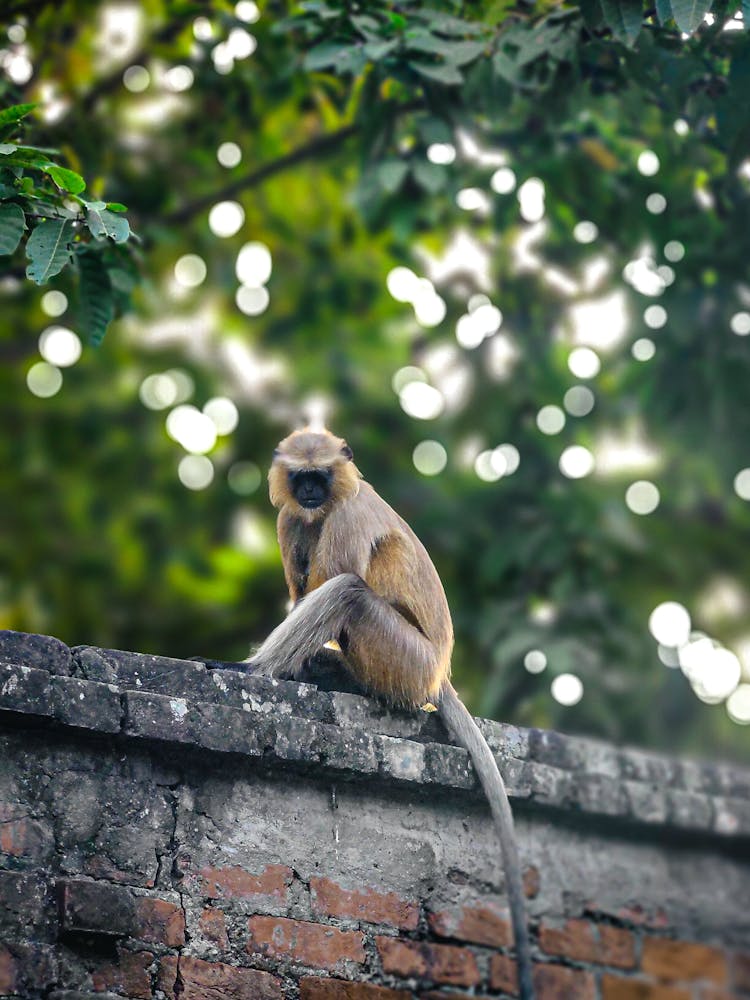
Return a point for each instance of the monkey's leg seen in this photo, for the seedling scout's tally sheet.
(382, 650)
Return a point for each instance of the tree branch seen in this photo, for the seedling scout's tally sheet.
(323, 144)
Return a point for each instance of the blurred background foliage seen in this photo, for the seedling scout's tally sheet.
(501, 247)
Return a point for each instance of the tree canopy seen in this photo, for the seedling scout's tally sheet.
(501, 247)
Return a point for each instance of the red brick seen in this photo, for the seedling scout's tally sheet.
(440, 963)
(25, 967)
(635, 915)
(585, 942)
(318, 988)
(683, 961)
(129, 976)
(316, 945)
(617, 988)
(200, 980)
(555, 982)
(213, 927)
(233, 882)
(160, 921)
(486, 924)
(24, 837)
(741, 971)
(551, 982)
(331, 900)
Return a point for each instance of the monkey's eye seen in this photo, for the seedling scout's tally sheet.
(347, 452)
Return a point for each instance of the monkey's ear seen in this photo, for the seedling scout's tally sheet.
(347, 452)
(276, 453)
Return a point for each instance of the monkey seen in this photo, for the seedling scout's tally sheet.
(363, 585)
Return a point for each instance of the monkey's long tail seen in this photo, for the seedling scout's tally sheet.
(464, 730)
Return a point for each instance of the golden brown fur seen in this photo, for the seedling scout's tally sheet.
(360, 576)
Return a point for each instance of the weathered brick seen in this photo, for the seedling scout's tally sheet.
(332, 900)
(213, 927)
(618, 988)
(23, 906)
(438, 963)
(318, 988)
(42, 651)
(740, 963)
(159, 921)
(316, 945)
(24, 837)
(86, 704)
(199, 980)
(555, 982)
(95, 908)
(234, 882)
(129, 975)
(486, 924)
(683, 961)
(583, 941)
(551, 982)
(25, 967)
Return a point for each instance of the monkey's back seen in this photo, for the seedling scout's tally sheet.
(364, 535)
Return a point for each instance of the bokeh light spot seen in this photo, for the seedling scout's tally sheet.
(195, 472)
(535, 661)
(44, 380)
(584, 363)
(579, 400)
(136, 79)
(567, 689)
(576, 462)
(190, 270)
(430, 458)
(226, 218)
(54, 303)
(421, 400)
(642, 497)
(648, 163)
(742, 484)
(550, 419)
(252, 301)
(229, 154)
(222, 413)
(254, 264)
(503, 181)
(60, 346)
(585, 231)
(669, 624)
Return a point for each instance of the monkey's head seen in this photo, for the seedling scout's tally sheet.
(311, 471)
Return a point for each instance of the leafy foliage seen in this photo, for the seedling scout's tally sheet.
(64, 229)
(361, 132)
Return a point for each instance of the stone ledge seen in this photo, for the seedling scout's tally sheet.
(181, 702)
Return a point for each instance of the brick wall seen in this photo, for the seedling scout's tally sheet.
(171, 832)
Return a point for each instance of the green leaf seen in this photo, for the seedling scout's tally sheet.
(48, 249)
(116, 206)
(433, 129)
(445, 73)
(6, 148)
(391, 174)
(66, 179)
(97, 306)
(448, 25)
(624, 18)
(377, 50)
(689, 14)
(462, 53)
(746, 13)
(103, 223)
(325, 55)
(664, 11)
(12, 225)
(429, 176)
(15, 113)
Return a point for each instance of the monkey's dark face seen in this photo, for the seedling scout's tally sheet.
(311, 488)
